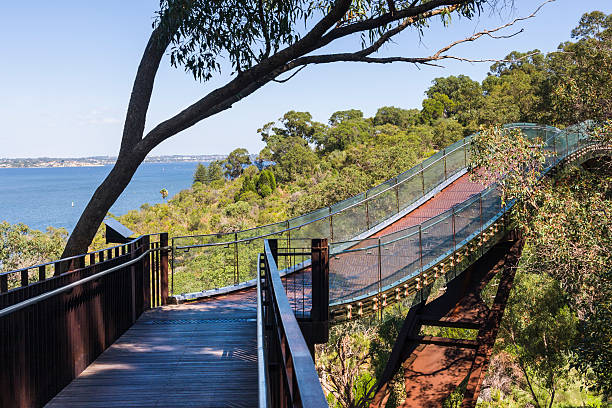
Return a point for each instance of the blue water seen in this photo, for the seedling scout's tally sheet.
(42, 197)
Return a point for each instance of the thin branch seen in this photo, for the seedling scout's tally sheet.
(281, 81)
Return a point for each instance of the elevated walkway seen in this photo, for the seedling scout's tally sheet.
(90, 332)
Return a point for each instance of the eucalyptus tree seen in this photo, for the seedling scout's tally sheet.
(262, 40)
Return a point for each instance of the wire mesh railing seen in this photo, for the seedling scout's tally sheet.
(204, 262)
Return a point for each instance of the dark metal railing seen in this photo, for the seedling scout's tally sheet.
(287, 374)
(51, 329)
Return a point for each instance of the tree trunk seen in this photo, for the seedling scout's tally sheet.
(99, 204)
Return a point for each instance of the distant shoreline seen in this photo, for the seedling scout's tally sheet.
(52, 163)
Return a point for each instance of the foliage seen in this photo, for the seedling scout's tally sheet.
(508, 157)
(343, 365)
(164, 193)
(583, 71)
(21, 246)
(541, 327)
(235, 162)
(209, 174)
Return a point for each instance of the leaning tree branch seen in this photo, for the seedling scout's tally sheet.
(365, 54)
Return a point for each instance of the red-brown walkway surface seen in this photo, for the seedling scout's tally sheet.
(204, 353)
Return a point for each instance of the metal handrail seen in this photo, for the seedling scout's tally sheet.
(304, 371)
(262, 373)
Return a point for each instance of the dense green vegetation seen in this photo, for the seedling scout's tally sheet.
(554, 348)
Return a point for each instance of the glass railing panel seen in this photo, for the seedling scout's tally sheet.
(433, 175)
(437, 237)
(455, 161)
(410, 190)
(353, 273)
(347, 203)
(432, 159)
(467, 220)
(349, 223)
(382, 206)
(399, 258)
(381, 187)
(315, 229)
(310, 217)
(491, 203)
(204, 268)
(572, 141)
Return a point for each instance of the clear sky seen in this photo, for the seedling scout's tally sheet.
(67, 68)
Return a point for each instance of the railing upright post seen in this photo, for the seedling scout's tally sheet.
(331, 226)
(320, 280)
(132, 271)
(367, 213)
(236, 264)
(481, 231)
(24, 278)
(146, 272)
(396, 188)
(274, 249)
(444, 157)
(42, 275)
(422, 179)
(172, 269)
(380, 276)
(566, 143)
(163, 244)
(379, 266)
(454, 245)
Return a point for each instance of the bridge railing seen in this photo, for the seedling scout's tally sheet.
(287, 374)
(51, 329)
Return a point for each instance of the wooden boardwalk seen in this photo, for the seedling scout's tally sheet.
(193, 355)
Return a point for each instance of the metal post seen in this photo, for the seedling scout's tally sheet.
(367, 213)
(422, 179)
(331, 226)
(566, 143)
(421, 246)
(444, 157)
(163, 243)
(320, 280)
(397, 196)
(481, 235)
(236, 270)
(146, 272)
(133, 255)
(464, 154)
(379, 267)
(172, 268)
(274, 249)
(41, 273)
(454, 245)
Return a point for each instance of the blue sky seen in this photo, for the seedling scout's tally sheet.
(67, 70)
